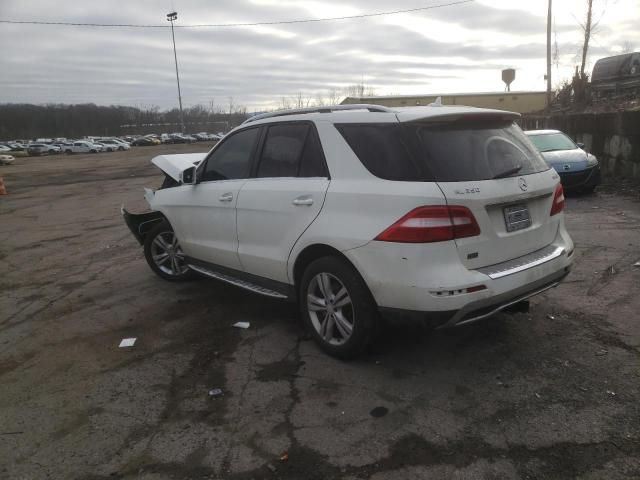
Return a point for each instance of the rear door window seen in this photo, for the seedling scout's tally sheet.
(291, 150)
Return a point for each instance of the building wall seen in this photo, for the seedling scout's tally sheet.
(521, 102)
(612, 137)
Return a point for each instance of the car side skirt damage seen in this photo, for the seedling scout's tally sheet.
(141, 223)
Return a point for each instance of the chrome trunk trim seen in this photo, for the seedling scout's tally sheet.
(522, 263)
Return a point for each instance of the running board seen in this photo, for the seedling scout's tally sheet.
(237, 282)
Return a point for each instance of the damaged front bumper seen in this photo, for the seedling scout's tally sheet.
(141, 223)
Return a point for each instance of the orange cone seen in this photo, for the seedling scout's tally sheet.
(3, 190)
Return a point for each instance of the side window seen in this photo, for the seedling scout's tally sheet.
(312, 163)
(282, 150)
(382, 149)
(233, 158)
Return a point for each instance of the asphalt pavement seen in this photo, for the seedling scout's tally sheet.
(549, 394)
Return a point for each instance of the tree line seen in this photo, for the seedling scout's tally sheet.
(28, 121)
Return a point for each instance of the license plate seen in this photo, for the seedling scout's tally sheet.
(516, 217)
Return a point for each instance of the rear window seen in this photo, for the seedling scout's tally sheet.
(446, 152)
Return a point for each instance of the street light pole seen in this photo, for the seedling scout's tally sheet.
(171, 17)
(549, 97)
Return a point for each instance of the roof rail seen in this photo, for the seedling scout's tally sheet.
(329, 109)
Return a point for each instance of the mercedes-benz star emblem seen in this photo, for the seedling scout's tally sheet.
(522, 183)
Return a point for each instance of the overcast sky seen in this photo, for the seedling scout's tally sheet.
(460, 48)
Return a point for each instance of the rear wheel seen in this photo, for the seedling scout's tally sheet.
(164, 254)
(337, 307)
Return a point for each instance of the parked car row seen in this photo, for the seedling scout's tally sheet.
(154, 139)
(65, 146)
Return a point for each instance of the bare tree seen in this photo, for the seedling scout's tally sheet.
(284, 103)
(231, 105)
(627, 47)
(333, 97)
(359, 90)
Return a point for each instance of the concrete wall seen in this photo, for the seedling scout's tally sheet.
(612, 137)
(521, 102)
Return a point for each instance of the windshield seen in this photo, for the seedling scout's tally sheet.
(550, 142)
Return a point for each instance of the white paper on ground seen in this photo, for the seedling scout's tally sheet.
(127, 342)
(242, 325)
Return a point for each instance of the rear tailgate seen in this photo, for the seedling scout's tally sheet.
(482, 160)
(513, 221)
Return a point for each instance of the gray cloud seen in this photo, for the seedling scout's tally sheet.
(255, 66)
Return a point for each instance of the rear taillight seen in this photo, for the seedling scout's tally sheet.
(558, 200)
(432, 224)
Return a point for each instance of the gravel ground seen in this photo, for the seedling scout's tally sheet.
(550, 394)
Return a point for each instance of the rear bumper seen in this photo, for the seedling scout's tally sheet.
(480, 309)
(420, 283)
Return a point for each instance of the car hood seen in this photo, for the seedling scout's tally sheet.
(173, 165)
(565, 156)
(566, 160)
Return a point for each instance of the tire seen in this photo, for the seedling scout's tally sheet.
(68, 152)
(160, 241)
(588, 190)
(120, 149)
(93, 151)
(354, 308)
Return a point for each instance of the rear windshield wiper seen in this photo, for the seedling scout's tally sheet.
(508, 173)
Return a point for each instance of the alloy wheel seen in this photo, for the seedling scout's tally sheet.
(330, 308)
(167, 254)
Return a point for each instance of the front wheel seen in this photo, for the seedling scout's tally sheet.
(164, 254)
(337, 307)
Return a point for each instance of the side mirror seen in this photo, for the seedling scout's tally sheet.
(188, 176)
(580, 145)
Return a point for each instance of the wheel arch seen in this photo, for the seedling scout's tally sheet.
(311, 253)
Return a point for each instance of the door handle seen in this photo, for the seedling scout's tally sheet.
(303, 200)
(226, 197)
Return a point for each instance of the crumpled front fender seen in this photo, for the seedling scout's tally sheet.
(141, 223)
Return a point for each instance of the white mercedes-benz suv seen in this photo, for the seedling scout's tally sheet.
(441, 214)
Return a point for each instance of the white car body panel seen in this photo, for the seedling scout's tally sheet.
(270, 222)
(205, 225)
(486, 199)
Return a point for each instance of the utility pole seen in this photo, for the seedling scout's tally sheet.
(170, 18)
(549, 57)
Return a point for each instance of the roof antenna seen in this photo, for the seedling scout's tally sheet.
(437, 103)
